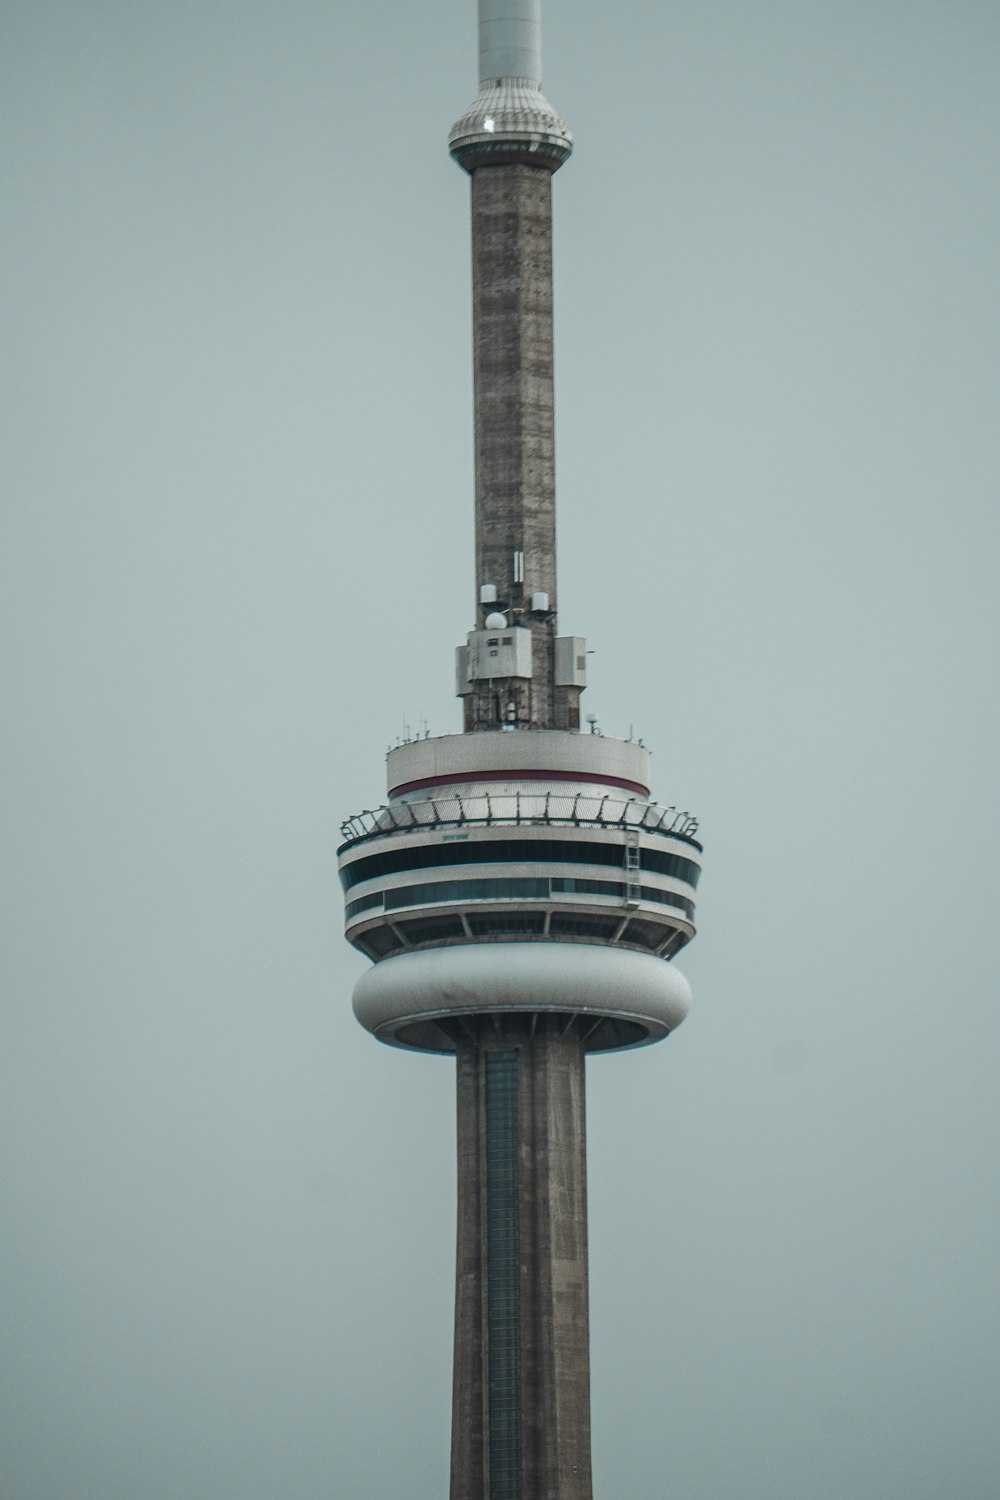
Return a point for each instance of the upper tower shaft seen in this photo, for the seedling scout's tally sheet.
(515, 435)
(511, 141)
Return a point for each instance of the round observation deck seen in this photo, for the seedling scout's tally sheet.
(510, 120)
(526, 840)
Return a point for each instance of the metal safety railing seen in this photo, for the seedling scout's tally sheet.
(545, 809)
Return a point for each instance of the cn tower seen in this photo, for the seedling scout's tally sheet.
(521, 896)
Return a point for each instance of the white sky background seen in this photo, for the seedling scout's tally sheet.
(236, 442)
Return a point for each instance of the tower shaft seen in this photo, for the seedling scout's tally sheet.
(521, 1411)
(519, 894)
(515, 446)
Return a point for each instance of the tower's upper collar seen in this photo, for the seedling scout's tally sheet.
(510, 119)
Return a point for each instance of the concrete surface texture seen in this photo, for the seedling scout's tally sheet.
(515, 441)
(522, 1370)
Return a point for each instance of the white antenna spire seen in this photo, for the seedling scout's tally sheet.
(510, 40)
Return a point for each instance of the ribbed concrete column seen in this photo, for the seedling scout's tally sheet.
(515, 445)
(522, 1362)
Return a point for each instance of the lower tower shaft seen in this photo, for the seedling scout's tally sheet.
(521, 1412)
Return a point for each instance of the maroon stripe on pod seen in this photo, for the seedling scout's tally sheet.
(455, 778)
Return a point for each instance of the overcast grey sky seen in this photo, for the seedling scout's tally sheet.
(236, 443)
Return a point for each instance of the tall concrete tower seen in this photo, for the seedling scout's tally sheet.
(520, 894)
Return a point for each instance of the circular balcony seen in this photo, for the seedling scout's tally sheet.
(520, 866)
(485, 808)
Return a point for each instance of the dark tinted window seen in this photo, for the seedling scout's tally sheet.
(647, 934)
(467, 890)
(362, 904)
(670, 864)
(433, 930)
(502, 922)
(379, 942)
(589, 887)
(667, 898)
(599, 927)
(513, 889)
(508, 851)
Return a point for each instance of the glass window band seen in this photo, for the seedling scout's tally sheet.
(514, 851)
(513, 888)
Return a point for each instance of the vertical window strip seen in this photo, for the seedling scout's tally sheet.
(503, 1275)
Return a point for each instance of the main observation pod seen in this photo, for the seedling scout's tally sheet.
(510, 119)
(523, 872)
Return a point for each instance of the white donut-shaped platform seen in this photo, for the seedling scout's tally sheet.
(633, 998)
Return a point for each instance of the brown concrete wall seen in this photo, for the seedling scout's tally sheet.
(468, 1423)
(515, 451)
(555, 1354)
